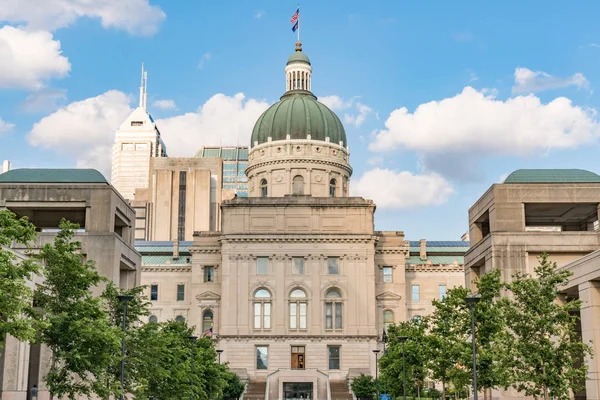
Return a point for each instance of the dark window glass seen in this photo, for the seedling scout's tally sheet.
(209, 274)
(262, 360)
(334, 357)
(181, 217)
(180, 292)
(153, 292)
(263, 188)
(333, 265)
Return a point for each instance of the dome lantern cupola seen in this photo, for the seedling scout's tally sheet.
(298, 71)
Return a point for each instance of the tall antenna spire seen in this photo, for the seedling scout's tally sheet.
(143, 88)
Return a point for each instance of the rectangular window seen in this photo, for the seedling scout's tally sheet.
(209, 274)
(387, 275)
(333, 315)
(180, 292)
(153, 292)
(267, 315)
(302, 315)
(338, 315)
(257, 315)
(262, 266)
(442, 292)
(334, 357)
(127, 146)
(262, 357)
(333, 265)
(293, 315)
(298, 266)
(182, 195)
(141, 146)
(137, 123)
(416, 293)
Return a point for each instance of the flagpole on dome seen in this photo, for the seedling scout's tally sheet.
(298, 22)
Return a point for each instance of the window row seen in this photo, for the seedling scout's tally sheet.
(416, 292)
(180, 293)
(298, 186)
(262, 266)
(132, 146)
(298, 357)
(298, 309)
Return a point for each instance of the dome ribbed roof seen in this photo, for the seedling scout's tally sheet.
(298, 114)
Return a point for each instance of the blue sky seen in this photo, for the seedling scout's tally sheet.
(439, 99)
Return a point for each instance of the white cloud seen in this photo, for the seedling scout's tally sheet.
(222, 120)
(165, 104)
(5, 126)
(528, 81)
(473, 77)
(475, 124)
(375, 161)
(358, 118)
(43, 100)
(394, 190)
(337, 103)
(206, 57)
(259, 14)
(134, 16)
(29, 58)
(360, 110)
(84, 130)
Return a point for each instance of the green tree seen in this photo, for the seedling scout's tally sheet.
(416, 357)
(450, 348)
(137, 309)
(546, 353)
(78, 331)
(233, 386)
(492, 337)
(363, 386)
(15, 294)
(164, 353)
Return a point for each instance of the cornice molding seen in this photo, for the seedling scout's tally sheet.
(167, 269)
(288, 337)
(255, 164)
(435, 268)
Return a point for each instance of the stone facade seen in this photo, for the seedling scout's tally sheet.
(106, 236)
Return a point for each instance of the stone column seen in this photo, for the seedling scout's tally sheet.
(589, 294)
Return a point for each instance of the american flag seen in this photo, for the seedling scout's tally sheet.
(294, 20)
(208, 332)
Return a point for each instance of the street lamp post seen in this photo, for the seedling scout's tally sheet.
(124, 299)
(471, 301)
(376, 378)
(219, 353)
(193, 341)
(403, 340)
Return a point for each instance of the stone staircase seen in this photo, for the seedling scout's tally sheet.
(339, 391)
(256, 390)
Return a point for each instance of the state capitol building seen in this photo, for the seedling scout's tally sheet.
(264, 249)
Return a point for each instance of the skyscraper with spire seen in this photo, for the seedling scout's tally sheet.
(136, 141)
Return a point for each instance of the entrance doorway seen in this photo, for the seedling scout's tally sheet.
(295, 391)
(297, 357)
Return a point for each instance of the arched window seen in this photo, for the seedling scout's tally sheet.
(262, 309)
(153, 319)
(298, 306)
(179, 318)
(207, 323)
(264, 191)
(333, 309)
(332, 185)
(298, 185)
(388, 319)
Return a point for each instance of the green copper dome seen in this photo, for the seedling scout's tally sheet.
(298, 114)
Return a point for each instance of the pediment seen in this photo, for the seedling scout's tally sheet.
(388, 296)
(208, 295)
